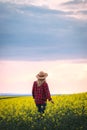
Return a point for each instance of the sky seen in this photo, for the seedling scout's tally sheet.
(43, 35)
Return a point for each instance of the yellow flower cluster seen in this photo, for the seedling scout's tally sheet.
(68, 111)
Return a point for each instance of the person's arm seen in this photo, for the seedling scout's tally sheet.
(47, 93)
(33, 90)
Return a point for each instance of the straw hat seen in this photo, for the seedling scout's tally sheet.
(41, 75)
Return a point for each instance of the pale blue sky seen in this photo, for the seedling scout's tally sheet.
(43, 31)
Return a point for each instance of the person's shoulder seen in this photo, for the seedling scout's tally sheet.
(45, 83)
(34, 83)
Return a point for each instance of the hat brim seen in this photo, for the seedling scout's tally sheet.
(41, 77)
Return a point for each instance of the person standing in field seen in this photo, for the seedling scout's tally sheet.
(40, 92)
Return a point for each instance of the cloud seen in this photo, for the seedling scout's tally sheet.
(35, 2)
(79, 12)
(68, 8)
(75, 2)
(35, 31)
(43, 52)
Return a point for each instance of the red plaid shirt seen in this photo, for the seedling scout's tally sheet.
(41, 93)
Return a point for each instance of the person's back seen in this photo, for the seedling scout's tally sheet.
(40, 91)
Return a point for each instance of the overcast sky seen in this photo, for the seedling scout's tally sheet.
(43, 31)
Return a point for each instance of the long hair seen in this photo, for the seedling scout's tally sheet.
(40, 82)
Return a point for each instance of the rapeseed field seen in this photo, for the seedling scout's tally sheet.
(69, 112)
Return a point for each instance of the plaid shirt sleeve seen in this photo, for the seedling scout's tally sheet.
(47, 92)
(33, 89)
